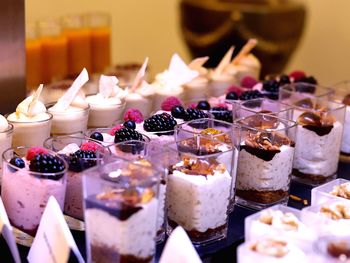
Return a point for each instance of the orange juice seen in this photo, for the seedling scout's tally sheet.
(79, 46)
(100, 49)
(54, 58)
(33, 63)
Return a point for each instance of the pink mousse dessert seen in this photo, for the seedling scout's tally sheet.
(30, 177)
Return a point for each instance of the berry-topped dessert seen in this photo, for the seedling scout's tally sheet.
(80, 154)
(121, 212)
(30, 177)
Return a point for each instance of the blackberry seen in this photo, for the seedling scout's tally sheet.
(85, 154)
(178, 112)
(194, 114)
(159, 122)
(271, 86)
(222, 114)
(250, 94)
(127, 134)
(81, 160)
(97, 136)
(284, 79)
(203, 105)
(18, 162)
(46, 163)
(232, 96)
(271, 95)
(309, 80)
(130, 124)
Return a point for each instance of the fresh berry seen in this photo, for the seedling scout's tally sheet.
(271, 95)
(297, 74)
(127, 134)
(133, 115)
(85, 154)
(169, 103)
(194, 114)
(222, 114)
(284, 79)
(81, 160)
(232, 96)
(203, 105)
(221, 105)
(46, 163)
(309, 80)
(90, 146)
(18, 162)
(192, 106)
(160, 122)
(34, 151)
(250, 94)
(178, 112)
(115, 129)
(130, 124)
(271, 85)
(248, 82)
(236, 89)
(97, 136)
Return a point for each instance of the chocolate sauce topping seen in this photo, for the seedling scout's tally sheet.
(319, 130)
(266, 155)
(317, 122)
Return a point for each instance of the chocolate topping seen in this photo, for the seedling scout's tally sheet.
(346, 100)
(339, 249)
(318, 122)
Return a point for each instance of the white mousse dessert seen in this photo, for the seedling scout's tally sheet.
(107, 106)
(31, 122)
(6, 132)
(71, 112)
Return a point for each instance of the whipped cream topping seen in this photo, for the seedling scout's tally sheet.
(70, 148)
(336, 211)
(278, 219)
(3, 123)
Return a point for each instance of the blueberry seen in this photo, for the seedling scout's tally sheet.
(232, 96)
(203, 105)
(18, 162)
(130, 124)
(284, 79)
(97, 136)
(178, 112)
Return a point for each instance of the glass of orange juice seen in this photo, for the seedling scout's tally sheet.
(100, 28)
(33, 56)
(79, 44)
(54, 51)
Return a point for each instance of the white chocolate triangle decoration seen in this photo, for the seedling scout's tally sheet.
(139, 76)
(179, 73)
(225, 61)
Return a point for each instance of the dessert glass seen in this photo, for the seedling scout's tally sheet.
(121, 207)
(265, 160)
(62, 145)
(202, 131)
(338, 189)
(152, 155)
(70, 122)
(320, 129)
(199, 186)
(5, 141)
(30, 132)
(25, 193)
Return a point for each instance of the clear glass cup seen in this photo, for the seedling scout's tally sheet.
(30, 132)
(342, 95)
(320, 129)
(201, 180)
(121, 208)
(265, 160)
(66, 146)
(337, 189)
(199, 133)
(153, 155)
(70, 122)
(25, 193)
(5, 141)
(262, 105)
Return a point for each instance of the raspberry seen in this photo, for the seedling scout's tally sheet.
(115, 129)
(235, 89)
(127, 134)
(133, 115)
(34, 151)
(46, 163)
(89, 146)
(192, 106)
(169, 103)
(248, 82)
(297, 74)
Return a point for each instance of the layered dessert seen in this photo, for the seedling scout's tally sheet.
(121, 222)
(6, 131)
(107, 106)
(271, 249)
(38, 174)
(140, 94)
(318, 146)
(264, 167)
(203, 186)
(345, 145)
(71, 112)
(31, 122)
(342, 190)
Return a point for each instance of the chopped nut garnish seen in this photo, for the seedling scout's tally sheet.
(336, 211)
(132, 196)
(318, 119)
(339, 249)
(278, 219)
(271, 247)
(194, 166)
(342, 190)
(271, 141)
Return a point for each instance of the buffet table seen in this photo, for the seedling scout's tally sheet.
(223, 251)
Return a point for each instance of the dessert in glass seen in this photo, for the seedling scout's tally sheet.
(31, 122)
(265, 160)
(39, 174)
(71, 112)
(152, 155)
(6, 132)
(120, 208)
(80, 153)
(320, 128)
(270, 249)
(338, 189)
(107, 106)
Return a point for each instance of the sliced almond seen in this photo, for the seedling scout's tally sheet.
(225, 61)
(246, 49)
